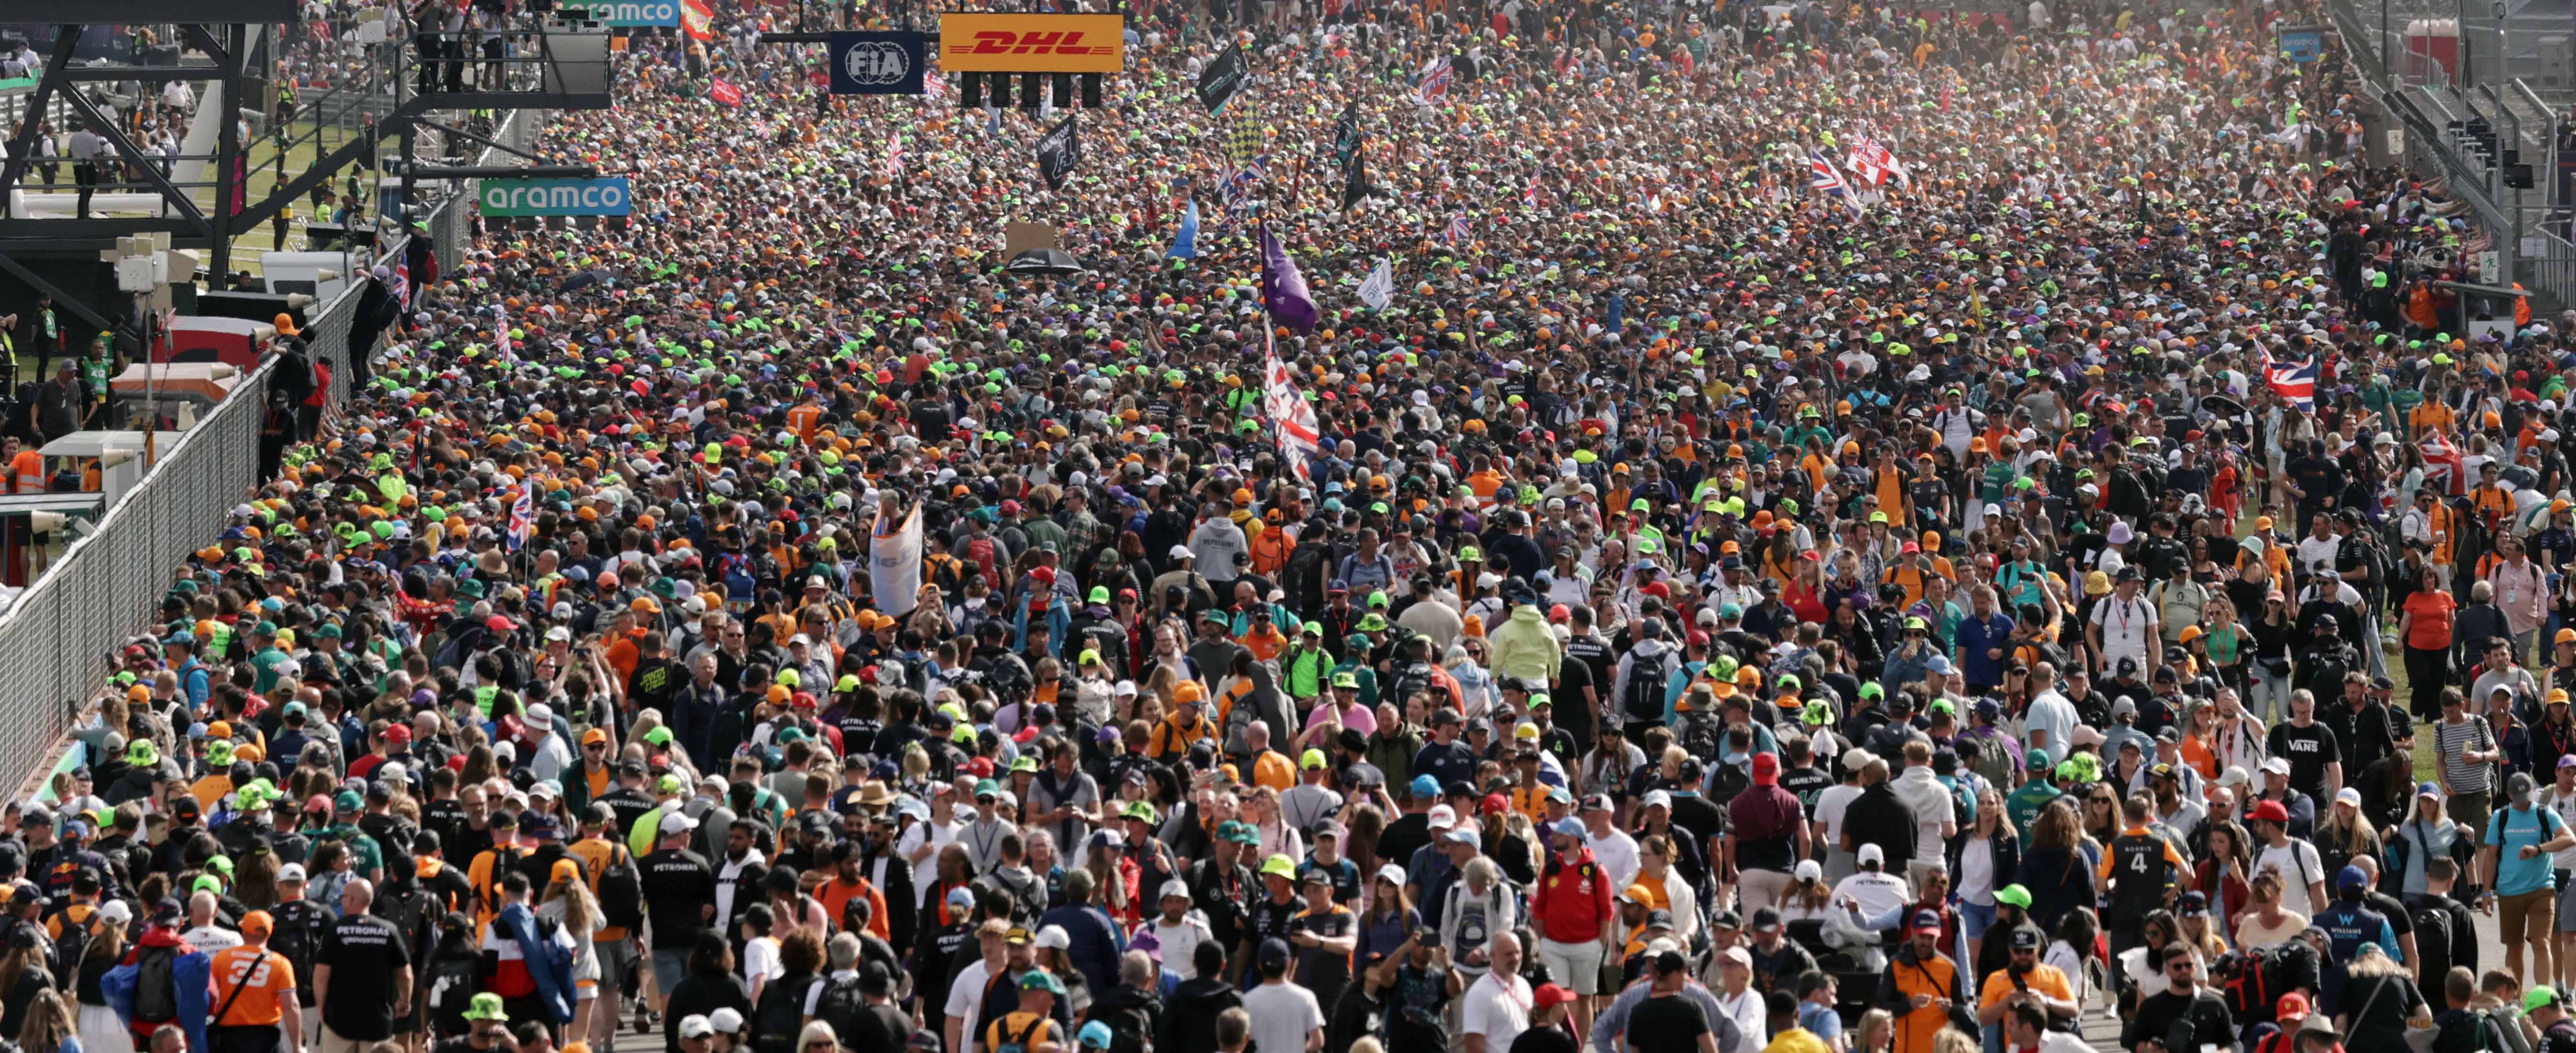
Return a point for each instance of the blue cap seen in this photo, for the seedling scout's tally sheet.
(1927, 920)
(2426, 789)
(1426, 786)
(2351, 877)
(961, 898)
(1567, 827)
(1095, 1035)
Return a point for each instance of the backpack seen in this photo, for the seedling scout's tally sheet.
(621, 891)
(156, 992)
(1028, 895)
(980, 551)
(2466, 1031)
(2432, 941)
(1644, 699)
(841, 1006)
(75, 939)
(2253, 991)
(1990, 759)
(299, 933)
(1703, 735)
(781, 1015)
(1131, 1028)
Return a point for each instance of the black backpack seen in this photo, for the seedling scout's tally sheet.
(74, 941)
(1703, 735)
(1644, 700)
(299, 933)
(2432, 942)
(621, 891)
(841, 1005)
(1028, 894)
(781, 1015)
(156, 992)
(1131, 1027)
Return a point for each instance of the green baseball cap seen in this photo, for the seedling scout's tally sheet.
(2015, 895)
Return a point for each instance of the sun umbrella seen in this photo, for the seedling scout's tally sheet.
(1044, 261)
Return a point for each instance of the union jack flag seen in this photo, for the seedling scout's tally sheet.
(2295, 382)
(523, 520)
(1435, 80)
(1457, 228)
(894, 158)
(400, 286)
(1830, 180)
(1529, 195)
(1238, 184)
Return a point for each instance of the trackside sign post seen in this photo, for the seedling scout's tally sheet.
(630, 13)
(603, 196)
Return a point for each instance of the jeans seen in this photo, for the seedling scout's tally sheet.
(2269, 696)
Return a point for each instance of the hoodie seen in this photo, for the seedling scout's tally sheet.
(1651, 658)
(1525, 647)
(1189, 1016)
(191, 979)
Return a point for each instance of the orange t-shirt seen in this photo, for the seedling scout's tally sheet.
(263, 975)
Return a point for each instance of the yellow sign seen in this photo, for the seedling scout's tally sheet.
(1031, 43)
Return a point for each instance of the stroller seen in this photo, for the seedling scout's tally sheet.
(1853, 956)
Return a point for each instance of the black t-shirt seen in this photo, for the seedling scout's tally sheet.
(2560, 1038)
(677, 886)
(2309, 750)
(1670, 1024)
(1403, 836)
(1545, 1040)
(363, 954)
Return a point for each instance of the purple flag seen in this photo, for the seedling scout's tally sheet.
(1283, 290)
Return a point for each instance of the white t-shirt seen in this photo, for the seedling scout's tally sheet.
(1876, 891)
(1617, 854)
(1830, 807)
(2565, 806)
(966, 998)
(1283, 1014)
(2300, 867)
(211, 938)
(1751, 1019)
(2127, 625)
(760, 959)
(1497, 1007)
(925, 874)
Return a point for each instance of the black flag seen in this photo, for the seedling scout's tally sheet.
(1355, 181)
(1346, 136)
(1222, 78)
(1059, 151)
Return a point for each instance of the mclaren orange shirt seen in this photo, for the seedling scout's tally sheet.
(261, 975)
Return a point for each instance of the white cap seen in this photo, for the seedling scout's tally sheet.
(541, 711)
(290, 873)
(1655, 799)
(1125, 689)
(695, 1026)
(116, 912)
(1179, 552)
(677, 823)
(2276, 766)
(727, 1021)
(2349, 796)
(1391, 874)
(1809, 870)
(1872, 854)
(1442, 815)
(1054, 936)
(1175, 887)
(559, 634)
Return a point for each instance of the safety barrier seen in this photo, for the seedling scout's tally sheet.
(59, 641)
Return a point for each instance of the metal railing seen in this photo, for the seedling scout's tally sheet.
(57, 640)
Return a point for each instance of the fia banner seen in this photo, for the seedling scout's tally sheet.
(1222, 79)
(1059, 151)
(877, 62)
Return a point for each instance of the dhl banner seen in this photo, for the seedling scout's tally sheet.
(1031, 43)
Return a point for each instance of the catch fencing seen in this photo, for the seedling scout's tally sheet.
(60, 639)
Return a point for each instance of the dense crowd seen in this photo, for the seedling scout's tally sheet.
(1719, 615)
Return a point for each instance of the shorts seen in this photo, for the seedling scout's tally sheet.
(1577, 965)
(616, 962)
(2526, 916)
(332, 1042)
(1975, 919)
(669, 968)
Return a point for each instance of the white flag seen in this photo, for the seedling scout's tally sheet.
(1378, 290)
(894, 564)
